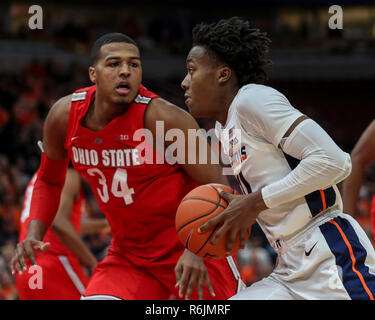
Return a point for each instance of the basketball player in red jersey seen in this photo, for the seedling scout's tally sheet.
(98, 128)
(363, 155)
(63, 276)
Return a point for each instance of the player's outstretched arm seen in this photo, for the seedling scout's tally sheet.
(190, 269)
(48, 186)
(95, 225)
(64, 228)
(362, 156)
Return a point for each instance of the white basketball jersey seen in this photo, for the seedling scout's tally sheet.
(258, 118)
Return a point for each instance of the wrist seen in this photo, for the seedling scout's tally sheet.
(188, 252)
(36, 230)
(257, 202)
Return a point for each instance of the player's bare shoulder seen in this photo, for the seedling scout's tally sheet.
(55, 127)
(59, 112)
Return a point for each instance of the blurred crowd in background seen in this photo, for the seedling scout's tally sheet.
(327, 74)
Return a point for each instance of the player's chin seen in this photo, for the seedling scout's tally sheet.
(121, 100)
(192, 110)
(196, 112)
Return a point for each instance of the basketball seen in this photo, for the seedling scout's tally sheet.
(198, 206)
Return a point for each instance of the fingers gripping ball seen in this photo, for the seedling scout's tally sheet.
(198, 206)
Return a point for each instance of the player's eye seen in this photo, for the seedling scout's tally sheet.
(114, 64)
(133, 65)
(190, 70)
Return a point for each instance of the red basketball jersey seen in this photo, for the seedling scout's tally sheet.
(75, 218)
(139, 198)
(372, 213)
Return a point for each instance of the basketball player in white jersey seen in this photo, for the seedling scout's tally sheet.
(287, 167)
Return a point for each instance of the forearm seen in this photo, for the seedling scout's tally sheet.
(206, 173)
(91, 226)
(351, 188)
(47, 190)
(223, 179)
(71, 239)
(36, 230)
(255, 203)
(362, 156)
(213, 173)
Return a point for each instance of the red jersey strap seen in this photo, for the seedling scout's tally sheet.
(144, 93)
(134, 116)
(372, 211)
(80, 99)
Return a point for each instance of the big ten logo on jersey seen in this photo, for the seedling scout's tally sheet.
(123, 137)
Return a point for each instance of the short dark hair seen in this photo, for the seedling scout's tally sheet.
(108, 38)
(232, 41)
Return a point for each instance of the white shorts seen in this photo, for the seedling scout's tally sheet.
(331, 259)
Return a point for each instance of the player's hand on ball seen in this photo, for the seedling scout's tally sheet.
(191, 271)
(27, 248)
(237, 218)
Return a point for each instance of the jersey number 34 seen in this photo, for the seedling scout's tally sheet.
(119, 186)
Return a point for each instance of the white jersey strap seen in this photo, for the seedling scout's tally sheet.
(233, 267)
(72, 275)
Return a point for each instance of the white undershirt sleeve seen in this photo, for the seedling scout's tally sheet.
(322, 164)
(267, 114)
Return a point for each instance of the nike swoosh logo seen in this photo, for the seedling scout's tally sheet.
(308, 252)
(74, 138)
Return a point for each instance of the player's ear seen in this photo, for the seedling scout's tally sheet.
(92, 74)
(224, 74)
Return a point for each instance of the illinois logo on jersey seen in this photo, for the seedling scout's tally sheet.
(231, 140)
(243, 153)
(238, 157)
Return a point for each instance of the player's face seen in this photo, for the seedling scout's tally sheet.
(200, 83)
(118, 72)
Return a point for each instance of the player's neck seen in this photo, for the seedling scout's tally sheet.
(224, 104)
(101, 112)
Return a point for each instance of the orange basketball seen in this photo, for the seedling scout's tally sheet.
(198, 206)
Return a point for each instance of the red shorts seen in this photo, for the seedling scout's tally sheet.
(62, 278)
(116, 276)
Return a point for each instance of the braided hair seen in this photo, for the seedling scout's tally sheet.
(233, 42)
